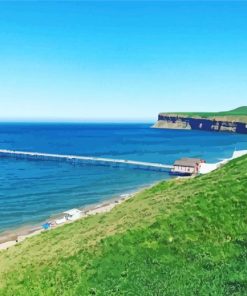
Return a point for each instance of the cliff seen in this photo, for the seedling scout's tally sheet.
(230, 121)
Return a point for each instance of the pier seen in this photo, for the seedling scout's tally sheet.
(86, 160)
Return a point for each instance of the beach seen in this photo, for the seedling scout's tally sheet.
(11, 238)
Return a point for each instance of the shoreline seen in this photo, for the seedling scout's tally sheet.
(10, 238)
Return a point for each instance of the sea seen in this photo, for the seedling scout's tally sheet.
(31, 192)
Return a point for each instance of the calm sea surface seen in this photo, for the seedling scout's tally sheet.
(32, 191)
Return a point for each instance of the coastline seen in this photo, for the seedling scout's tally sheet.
(13, 237)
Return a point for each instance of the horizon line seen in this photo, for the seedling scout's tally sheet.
(93, 121)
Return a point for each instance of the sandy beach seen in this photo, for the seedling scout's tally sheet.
(11, 238)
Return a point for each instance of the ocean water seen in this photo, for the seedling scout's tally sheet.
(33, 191)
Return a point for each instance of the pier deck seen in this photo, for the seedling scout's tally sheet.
(85, 160)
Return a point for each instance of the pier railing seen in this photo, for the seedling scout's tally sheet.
(85, 160)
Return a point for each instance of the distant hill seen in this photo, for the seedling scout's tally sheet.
(234, 121)
(181, 237)
(241, 111)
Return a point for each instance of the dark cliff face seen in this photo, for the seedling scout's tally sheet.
(180, 122)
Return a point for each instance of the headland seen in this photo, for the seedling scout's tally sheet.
(234, 121)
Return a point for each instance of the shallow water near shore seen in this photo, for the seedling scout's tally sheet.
(33, 191)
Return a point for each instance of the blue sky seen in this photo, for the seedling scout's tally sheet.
(120, 60)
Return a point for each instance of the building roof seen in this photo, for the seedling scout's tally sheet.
(188, 162)
(72, 212)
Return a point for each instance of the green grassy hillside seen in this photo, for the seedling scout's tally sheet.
(237, 113)
(181, 237)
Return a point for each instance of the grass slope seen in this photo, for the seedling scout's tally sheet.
(181, 237)
(237, 113)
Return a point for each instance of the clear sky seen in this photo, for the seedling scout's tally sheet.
(120, 60)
